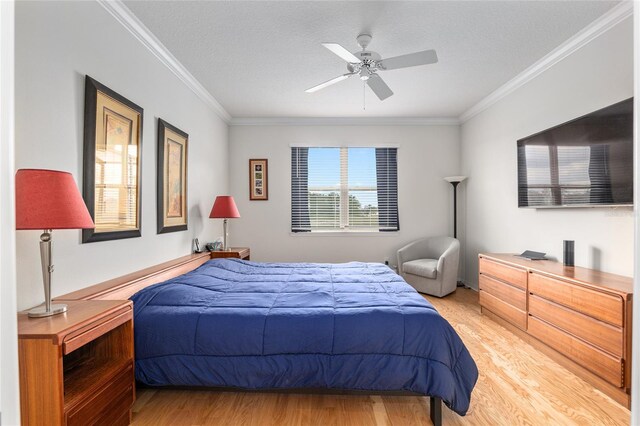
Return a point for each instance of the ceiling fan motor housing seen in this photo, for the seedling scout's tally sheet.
(367, 55)
(367, 66)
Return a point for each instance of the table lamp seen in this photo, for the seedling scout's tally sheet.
(224, 208)
(48, 200)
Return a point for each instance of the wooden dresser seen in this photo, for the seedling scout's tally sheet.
(579, 316)
(76, 368)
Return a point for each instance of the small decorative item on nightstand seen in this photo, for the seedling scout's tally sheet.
(47, 200)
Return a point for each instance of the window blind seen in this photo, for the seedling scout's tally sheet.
(344, 189)
(387, 177)
(300, 190)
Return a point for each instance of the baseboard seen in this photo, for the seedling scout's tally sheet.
(467, 284)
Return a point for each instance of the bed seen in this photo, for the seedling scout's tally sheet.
(353, 326)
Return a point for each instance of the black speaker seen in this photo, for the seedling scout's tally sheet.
(568, 253)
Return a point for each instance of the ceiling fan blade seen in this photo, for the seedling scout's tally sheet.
(329, 83)
(411, 60)
(342, 52)
(379, 87)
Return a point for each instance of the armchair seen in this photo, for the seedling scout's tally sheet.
(430, 265)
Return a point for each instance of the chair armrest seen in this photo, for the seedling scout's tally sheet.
(448, 252)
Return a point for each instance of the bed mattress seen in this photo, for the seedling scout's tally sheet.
(352, 326)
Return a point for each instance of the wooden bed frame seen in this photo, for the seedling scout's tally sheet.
(124, 287)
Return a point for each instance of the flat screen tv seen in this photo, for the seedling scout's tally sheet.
(586, 162)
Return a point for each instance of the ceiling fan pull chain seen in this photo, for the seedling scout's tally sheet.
(364, 96)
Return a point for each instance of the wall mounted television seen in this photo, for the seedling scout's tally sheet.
(586, 162)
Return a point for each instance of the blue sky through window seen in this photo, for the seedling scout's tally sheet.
(324, 171)
(362, 167)
(324, 167)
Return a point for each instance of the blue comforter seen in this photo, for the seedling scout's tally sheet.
(250, 325)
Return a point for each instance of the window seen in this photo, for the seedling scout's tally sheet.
(344, 189)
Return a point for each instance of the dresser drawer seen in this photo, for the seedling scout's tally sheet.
(591, 358)
(602, 306)
(510, 274)
(109, 405)
(503, 310)
(507, 293)
(598, 333)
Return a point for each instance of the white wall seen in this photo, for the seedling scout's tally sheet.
(599, 74)
(57, 44)
(425, 155)
(9, 402)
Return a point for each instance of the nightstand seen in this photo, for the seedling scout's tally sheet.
(76, 368)
(237, 252)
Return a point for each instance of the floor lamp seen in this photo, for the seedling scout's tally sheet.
(455, 181)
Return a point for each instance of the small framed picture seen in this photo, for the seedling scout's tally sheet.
(258, 180)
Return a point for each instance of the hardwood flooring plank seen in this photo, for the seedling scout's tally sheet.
(380, 411)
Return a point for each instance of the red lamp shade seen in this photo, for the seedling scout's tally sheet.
(224, 208)
(49, 199)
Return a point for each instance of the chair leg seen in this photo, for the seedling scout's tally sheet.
(436, 410)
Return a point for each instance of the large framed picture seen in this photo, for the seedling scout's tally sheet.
(172, 178)
(258, 180)
(111, 164)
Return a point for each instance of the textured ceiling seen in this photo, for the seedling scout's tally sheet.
(257, 58)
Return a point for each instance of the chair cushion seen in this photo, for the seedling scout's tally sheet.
(421, 267)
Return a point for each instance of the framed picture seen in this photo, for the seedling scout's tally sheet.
(172, 178)
(111, 164)
(258, 180)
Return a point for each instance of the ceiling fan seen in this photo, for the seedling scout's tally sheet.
(366, 64)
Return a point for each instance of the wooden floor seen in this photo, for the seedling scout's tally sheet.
(518, 385)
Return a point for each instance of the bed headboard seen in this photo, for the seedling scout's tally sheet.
(124, 287)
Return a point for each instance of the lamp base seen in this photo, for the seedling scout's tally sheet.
(41, 311)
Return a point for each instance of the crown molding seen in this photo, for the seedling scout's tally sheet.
(598, 27)
(344, 121)
(151, 42)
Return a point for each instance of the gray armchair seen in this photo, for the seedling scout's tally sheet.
(430, 265)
